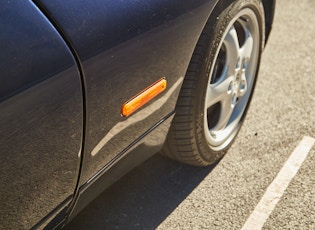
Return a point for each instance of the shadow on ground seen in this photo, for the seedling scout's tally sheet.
(143, 198)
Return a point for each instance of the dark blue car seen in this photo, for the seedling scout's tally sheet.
(91, 88)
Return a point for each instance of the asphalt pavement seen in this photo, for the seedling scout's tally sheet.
(164, 194)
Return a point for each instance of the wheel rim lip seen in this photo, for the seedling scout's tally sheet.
(218, 140)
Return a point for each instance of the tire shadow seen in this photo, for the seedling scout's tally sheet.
(143, 198)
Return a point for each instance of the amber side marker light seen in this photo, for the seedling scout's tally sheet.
(143, 97)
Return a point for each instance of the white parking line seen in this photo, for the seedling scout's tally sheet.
(276, 189)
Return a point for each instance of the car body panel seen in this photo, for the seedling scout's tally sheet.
(41, 117)
(124, 47)
(69, 66)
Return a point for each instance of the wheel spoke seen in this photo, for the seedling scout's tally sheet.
(218, 92)
(247, 48)
(232, 49)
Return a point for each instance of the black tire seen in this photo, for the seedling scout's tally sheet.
(203, 129)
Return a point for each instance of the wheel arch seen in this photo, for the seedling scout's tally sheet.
(269, 11)
(269, 8)
(181, 133)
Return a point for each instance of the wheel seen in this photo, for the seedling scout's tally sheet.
(218, 85)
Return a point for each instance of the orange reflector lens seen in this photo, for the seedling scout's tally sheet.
(143, 97)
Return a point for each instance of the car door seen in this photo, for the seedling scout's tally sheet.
(41, 118)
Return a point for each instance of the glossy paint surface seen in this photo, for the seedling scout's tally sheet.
(122, 47)
(41, 117)
(67, 67)
(125, 46)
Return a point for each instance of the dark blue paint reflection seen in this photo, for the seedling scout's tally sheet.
(98, 25)
(41, 117)
(125, 46)
(24, 41)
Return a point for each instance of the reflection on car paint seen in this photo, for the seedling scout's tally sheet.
(41, 117)
(136, 118)
(40, 140)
